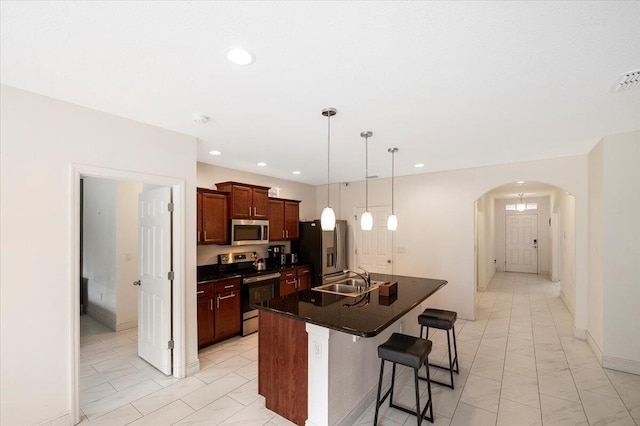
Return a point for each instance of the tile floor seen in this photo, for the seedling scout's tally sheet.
(519, 361)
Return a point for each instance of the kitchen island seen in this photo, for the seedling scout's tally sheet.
(318, 362)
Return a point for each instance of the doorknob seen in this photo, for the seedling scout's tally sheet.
(388, 260)
(137, 282)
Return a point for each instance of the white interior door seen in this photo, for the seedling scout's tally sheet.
(521, 245)
(154, 290)
(373, 248)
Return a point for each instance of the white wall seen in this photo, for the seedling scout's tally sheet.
(209, 175)
(564, 206)
(99, 249)
(110, 259)
(435, 236)
(544, 241)
(621, 251)
(485, 239)
(41, 138)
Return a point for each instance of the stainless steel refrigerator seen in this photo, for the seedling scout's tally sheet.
(325, 251)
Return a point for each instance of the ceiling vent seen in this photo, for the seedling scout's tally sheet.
(628, 80)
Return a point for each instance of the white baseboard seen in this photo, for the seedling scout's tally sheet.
(621, 364)
(193, 368)
(594, 347)
(353, 415)
(126, 325)
(101, 315)
(62, 420)
(580, 333)
(569, 306)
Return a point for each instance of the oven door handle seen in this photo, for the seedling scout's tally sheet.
(261, 278)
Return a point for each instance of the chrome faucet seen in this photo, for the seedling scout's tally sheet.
(366, 276)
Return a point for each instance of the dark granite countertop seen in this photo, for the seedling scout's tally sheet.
(211, 274)
(367, 318)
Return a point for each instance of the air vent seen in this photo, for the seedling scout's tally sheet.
(628, 80)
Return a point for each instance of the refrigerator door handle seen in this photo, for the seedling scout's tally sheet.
(338, 253)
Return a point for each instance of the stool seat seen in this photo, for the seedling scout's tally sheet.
(438, 318)
(406, 350)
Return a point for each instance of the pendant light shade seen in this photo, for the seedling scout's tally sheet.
(366, 220)
(328, 218)
(521, 206)
(392, 221)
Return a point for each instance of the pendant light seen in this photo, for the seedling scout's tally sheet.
(366, 221)
(521, 206)
(328, 217)
(392, 221)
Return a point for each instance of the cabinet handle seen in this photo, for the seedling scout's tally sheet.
(211, 303)
(287, 231)
(200, 292)
(198, 236)
(229, 286)
(283, 233)
(291, 282)
(205, 235)
(249, 210)
(255, 211)
(297, 283)
(222, 298)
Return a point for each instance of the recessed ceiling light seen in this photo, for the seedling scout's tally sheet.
(520, 182)
(240, 56)
(261, 164)
(296, 172)
(419, 165)
(214, 152)
(200, 118)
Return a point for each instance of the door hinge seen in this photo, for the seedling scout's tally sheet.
(170, 207)
(170, 344)
(171, 275)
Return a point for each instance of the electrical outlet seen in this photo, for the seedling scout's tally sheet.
(101, 297)
(317, 350)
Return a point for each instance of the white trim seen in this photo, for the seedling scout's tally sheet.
(594, 346)
(62, 420)
(193, 367)
(621, 364)
(580, 333)
(179, 283)
(570, 308)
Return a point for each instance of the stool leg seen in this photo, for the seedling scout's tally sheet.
(450, 361)
(393, 382)
(418, 411)
(378, 403)
(430, 402)
(455, 346)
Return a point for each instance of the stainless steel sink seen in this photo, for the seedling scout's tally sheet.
(350, 287)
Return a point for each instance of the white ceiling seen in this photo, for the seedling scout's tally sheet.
(451, 84)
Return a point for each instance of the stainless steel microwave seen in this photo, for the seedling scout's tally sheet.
(245, 232)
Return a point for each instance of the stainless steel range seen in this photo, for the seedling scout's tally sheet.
(257, 286)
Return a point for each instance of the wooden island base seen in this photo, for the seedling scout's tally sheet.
(283, 365)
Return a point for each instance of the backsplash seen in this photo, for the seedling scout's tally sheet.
(208, 254)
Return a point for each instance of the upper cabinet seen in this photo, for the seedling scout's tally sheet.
(283, 219)
(212, 217)
(246, 201)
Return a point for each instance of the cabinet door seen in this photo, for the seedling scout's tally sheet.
(227, 314)
(215, 229)
(241, 202)
(206, 320)
(304, 282)
(260, 203)
(288, 286)
(291, 220)
(199, 216)
(276, 220)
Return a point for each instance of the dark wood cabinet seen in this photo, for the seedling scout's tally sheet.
(206, 317)
(284, 219)
(212, 217)
(219, 315)
(295, 279)
(246, 201)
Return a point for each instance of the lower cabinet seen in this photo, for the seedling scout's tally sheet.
(219, 315)
(295, 279)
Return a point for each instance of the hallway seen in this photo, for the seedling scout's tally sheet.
(520, 365)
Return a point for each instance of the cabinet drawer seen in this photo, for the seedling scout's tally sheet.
(287, 274)
(304, 271)
(204, 291)
(229, 285)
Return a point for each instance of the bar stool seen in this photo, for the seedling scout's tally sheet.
(412, 352)
(443, 320)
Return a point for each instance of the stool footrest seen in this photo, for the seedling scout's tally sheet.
(406, 410)
(444, 367)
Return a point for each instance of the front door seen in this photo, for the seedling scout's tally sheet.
(373, 248)
(521, 245)
(154, 290)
